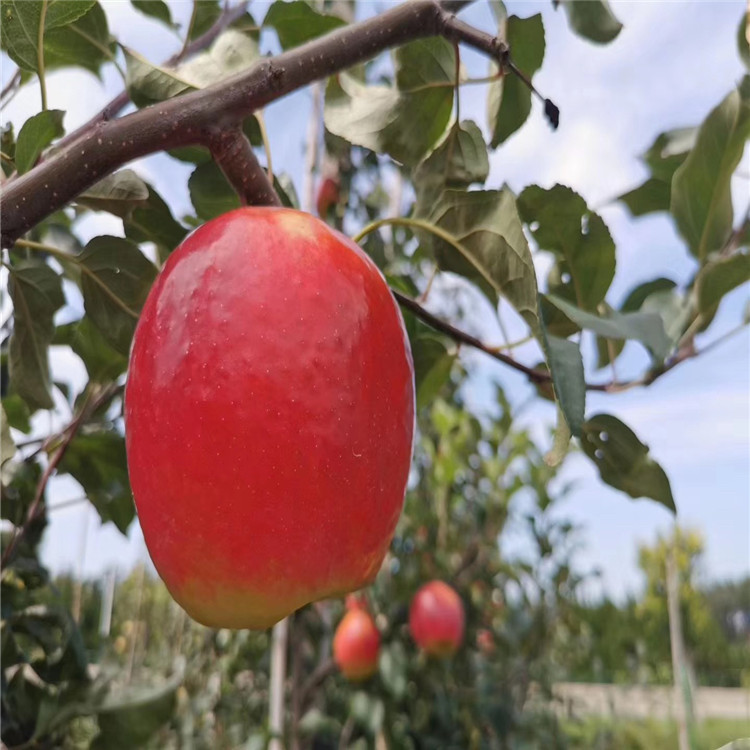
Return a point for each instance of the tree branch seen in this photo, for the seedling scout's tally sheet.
(111, 110)
(193, 118)
(540, 376)
(232, 151)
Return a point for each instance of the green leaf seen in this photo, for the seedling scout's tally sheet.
(623, 460)
(19, 30)
(367, 711)
(36, 292)
(668, 151)
(719, 277)
(633, 302)
(97, 462)
(566, 367)
(17, 412)
(646, 327)
(102, 362)
(509, 99)
(296, 22)
(393, 669)
(404, 121)
(561, 441)
(84, 43)
(127, 719)
(153, 222)
(652, 195)
(119, 194)
(488, 246)
(432, 367)
(743, 40)
(701, 198)
(7, 446)
(157, 9)
(592, 19)
(35, 135)
(148, 83)
(562, 223)
(206, 15)
(115, 284)
(210, 192)
(458, 161)
(231, 53)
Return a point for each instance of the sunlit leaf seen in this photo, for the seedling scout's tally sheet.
(375, 116)
(297, 22)
(147, 82)
(21, 19)
(7, 446)
(701, 198)
(35, 135)
(623, 460)
(646, 327)
(84, 43)
(609, 348)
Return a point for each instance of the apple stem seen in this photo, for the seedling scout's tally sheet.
(279, 636)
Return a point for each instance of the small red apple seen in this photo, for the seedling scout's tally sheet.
(269, 414)
(485, 641)
(436, 619)
(356, 645)
(328, 196)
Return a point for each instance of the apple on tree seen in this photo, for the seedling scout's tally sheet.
(356, 642)
(436, 619)
(269, 416)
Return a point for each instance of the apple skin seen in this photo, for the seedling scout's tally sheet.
(328, 196)
(436, 619)
(269, 414)
(356, 645)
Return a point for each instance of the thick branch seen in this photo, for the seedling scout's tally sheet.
(193, 118)
(111, 110)
(232, 151)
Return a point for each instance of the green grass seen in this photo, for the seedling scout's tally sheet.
(604, 734)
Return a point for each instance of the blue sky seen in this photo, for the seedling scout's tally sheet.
(614, 101)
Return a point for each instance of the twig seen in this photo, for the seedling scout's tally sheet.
(321, 673)
(36, 509)
(40, 55)
(191, 118)
(12, 84)
(233, 152)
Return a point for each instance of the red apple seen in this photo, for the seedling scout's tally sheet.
(436, 619)
(356, 644)
(328, 196)
(269, 417)
(485, 641)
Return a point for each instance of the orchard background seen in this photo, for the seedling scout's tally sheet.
(523, 259)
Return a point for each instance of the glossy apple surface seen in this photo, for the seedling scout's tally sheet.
(356, 644)
(436, 619)
(269, 417)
